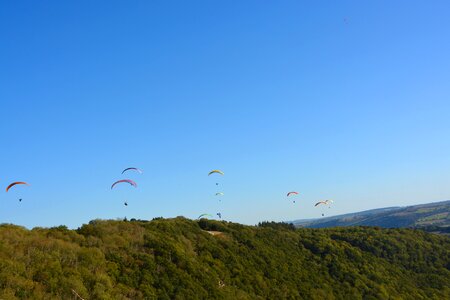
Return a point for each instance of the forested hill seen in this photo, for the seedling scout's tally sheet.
(184, 259)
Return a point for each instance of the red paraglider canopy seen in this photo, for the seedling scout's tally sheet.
(15, 183)
(126, 181)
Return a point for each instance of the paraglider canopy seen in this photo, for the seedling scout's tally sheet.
(134, 169)
(220, 194)
(320, 202)
(204, 215)
(124, 181)
(216, 171)
(15, 183)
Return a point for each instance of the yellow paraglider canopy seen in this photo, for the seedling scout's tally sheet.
(216, 171)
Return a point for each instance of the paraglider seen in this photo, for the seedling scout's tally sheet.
(290, 194)
(134, 169)
(326, 202)
(220, 215)
(124, 181)
(216, 172)
(204, 215)
(129, 181)
(15, 183)
(220, 194)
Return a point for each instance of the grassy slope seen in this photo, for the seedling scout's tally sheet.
(433, 214)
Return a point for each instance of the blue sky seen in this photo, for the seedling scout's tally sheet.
(347, 101)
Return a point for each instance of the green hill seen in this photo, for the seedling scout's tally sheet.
(184, 259)
(432, 216)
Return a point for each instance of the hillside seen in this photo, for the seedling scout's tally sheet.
(432, 215)
(184, 259)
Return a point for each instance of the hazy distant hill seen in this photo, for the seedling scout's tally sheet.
(432, 215)
(184, 259)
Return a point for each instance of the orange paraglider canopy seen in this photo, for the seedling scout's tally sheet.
(15, 183)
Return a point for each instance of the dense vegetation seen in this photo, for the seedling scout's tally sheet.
(178, 259)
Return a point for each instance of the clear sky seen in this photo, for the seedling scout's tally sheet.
(342, 100)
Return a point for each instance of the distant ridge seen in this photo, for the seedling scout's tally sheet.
(435, 214)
